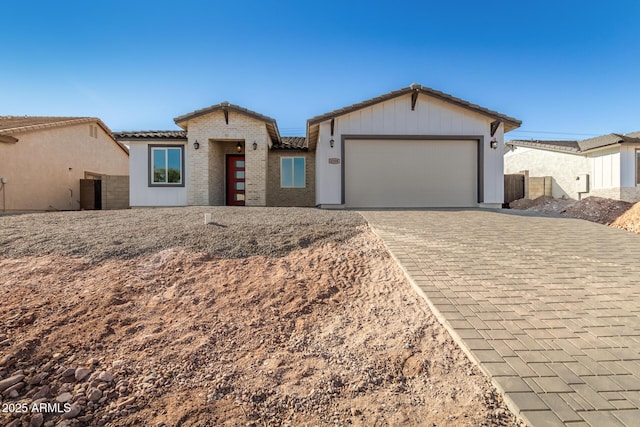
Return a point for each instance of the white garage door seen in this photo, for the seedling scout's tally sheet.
(410, 173)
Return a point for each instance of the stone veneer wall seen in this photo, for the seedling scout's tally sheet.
(277, 196)
(212, 132)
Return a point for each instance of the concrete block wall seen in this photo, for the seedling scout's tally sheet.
(540, 186)
(115, 192)
(207, 163)
(277, 196)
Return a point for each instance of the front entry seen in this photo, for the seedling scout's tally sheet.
(235, 180)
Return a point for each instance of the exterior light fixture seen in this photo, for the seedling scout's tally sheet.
(255, 146)
(239, 147)
(331, 142)
(196, 144)
(493, 144)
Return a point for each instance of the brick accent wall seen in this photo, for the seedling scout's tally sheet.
(205, 166)
(115, 192)
(277, 196)
(218, 151)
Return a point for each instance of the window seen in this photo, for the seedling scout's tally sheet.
(166, 165)
(292, 172)
(638, 167)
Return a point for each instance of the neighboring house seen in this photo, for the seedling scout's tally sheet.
(414, 147)
(605, 166)
(43, 159)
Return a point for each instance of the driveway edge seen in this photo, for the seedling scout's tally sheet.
(454, 335)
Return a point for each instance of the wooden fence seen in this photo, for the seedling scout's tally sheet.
(513, 187)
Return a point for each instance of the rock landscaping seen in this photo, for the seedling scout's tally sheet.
(615, 213)
(266, 317)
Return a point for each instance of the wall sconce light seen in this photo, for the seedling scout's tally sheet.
(196, 144)
(239, 147)
(493, 144)
(255, 146)
(331, 142)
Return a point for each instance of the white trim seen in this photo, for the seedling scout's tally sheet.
(166, 165)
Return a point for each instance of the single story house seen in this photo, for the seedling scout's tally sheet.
(43, 159)
(413, 147)
(604, 166)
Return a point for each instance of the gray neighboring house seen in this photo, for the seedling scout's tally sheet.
(604, 166)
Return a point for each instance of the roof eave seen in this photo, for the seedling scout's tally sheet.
(510, 123)
(544, 147)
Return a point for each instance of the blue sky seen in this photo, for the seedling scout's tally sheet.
(568, 69)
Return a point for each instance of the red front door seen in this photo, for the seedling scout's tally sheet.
(235, 180)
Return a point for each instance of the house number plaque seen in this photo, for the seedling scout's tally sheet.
(334, 161)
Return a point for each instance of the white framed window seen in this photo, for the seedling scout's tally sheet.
(292, 172)
(166, 165)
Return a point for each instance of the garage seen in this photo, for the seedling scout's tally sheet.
(409, 173)
(414, 147)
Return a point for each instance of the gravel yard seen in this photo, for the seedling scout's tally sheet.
(267, 317)
(234, 232)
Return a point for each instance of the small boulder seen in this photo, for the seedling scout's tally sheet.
(64, 397)
(37, 420)
(82, 373)
(8, 382)
(72, 412)
(105, 376)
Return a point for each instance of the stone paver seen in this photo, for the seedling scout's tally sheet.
(549, 308)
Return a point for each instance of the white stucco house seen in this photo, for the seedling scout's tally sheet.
(605, 166)
(413, 147)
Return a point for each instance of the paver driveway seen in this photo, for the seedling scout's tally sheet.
(548, 307)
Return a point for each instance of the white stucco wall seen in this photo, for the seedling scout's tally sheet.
(140, 194)
(562, 167)
(394, 117)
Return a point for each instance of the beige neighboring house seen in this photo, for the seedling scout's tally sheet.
(412, 147)
(604, 166)
(43, 159)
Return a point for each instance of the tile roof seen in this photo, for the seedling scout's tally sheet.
(272, 126)
(633, 134)
(291, 143)
(571, 146)
(577, 147)
(603, 141)
(151, 134)
(14, 125)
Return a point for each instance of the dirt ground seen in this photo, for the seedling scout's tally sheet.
(615, 213)
(219, 327)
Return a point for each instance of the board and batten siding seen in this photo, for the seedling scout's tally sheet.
(140, 194)
(628, 165)
(606, 169)
(394, 117)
